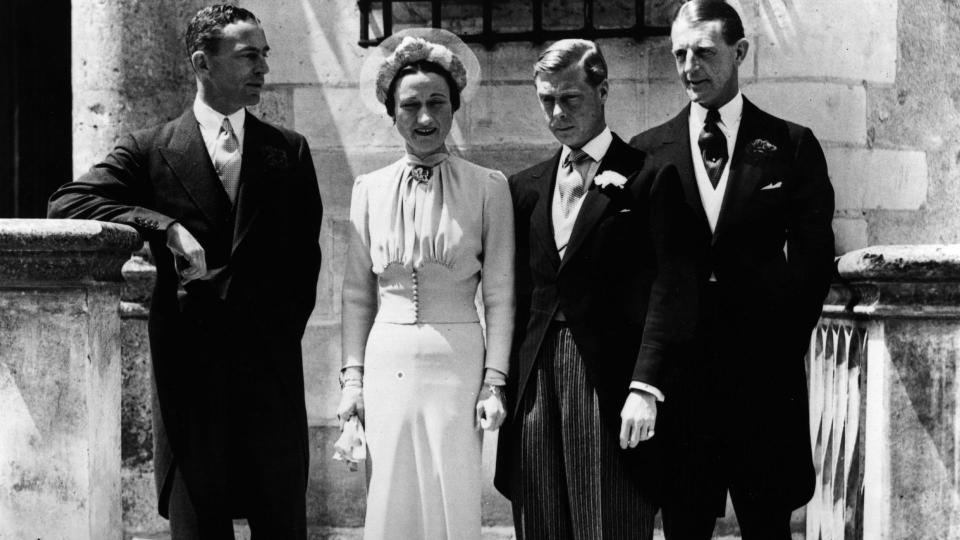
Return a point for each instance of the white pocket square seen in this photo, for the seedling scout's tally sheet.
(624, 210)
(776, 185)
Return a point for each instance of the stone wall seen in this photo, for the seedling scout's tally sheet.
(874, 79)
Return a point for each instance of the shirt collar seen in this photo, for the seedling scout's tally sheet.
(596, 148)
(211, 120)
(730, 113)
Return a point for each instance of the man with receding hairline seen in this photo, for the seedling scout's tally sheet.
(736, 418)
(603, 301)
(231, 209)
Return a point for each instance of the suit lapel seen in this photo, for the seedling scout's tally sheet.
(679, 153)
(744, 176)
(541, 218)
(595, 202)
(187, 156)
(250, 195)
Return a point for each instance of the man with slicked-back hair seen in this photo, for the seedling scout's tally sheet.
(604, 300)
(231, 209)
(736, 412)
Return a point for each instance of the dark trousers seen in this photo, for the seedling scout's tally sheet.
(267, 517)
(574, 482)
(757, 519)
(690, 511)
(260, 471)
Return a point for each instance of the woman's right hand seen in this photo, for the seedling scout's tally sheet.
(351, 403)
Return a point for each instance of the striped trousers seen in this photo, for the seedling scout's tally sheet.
(575, 482)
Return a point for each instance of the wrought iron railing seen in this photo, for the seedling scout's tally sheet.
(539, 32)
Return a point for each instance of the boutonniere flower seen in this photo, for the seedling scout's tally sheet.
(761, 148)
(610, 178)
(275, 158)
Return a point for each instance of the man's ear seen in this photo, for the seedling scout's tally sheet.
(199, 62)
(741, 46)
(604, 89)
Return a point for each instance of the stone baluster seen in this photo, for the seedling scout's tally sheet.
(883, 376)
(60, 378)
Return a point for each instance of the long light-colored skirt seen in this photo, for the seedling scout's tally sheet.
(420, 390)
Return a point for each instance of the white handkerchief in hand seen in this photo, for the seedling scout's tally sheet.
(351, 447)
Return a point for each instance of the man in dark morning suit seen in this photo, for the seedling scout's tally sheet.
(737, 415)
(231, 209)
(604, 296)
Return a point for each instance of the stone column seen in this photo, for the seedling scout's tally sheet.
(885, 397)
(60, 378)
(129, 71)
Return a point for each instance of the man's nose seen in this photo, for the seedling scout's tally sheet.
(690, 63)
(262, 67)
(557, 111)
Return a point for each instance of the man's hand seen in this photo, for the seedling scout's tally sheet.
(638, 417)
(351, 404)
(491, 411)
(186, 250)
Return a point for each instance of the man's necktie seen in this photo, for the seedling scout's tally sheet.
(571, 184)
(713, 147)
(226, 159)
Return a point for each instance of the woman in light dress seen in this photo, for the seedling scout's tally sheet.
(418, 368)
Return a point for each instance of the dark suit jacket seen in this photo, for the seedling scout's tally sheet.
(241, 333)
(745, 388)
(625, 285)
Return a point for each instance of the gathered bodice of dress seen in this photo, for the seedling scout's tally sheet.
(419, 249)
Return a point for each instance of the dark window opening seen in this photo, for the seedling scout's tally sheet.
(35, 106)
(495, 21)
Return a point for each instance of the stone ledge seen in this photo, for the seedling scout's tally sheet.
(55, 250)
(932, 262)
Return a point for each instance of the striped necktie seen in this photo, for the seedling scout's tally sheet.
(226, 159)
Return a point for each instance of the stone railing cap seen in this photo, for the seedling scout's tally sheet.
(62, 250)
(933, 262)
(66, 234)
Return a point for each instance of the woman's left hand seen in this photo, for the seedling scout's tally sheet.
(491, 409)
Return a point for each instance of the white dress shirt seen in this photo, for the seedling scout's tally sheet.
(596, 148)
(211, 121)
(730, 115)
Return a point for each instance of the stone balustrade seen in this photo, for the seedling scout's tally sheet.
(884, 393)
(60, 378)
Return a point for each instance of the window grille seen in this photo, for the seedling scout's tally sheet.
(489, 22)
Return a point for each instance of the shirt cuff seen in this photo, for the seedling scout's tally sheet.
(650, 389)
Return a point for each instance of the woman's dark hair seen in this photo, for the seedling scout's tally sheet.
(422, 66)
(206, 27)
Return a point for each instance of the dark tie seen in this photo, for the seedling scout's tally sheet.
(713, 147)
(571, 185)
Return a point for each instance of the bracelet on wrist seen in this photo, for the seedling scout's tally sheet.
(350, 381)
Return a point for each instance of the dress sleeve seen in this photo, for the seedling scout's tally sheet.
(359, 298)
(497, 271)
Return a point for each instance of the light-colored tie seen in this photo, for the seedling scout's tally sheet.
(572, 184)
(226, 159)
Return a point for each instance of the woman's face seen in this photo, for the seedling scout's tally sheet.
(423, 112)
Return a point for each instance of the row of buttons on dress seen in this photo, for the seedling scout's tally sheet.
(416, 301)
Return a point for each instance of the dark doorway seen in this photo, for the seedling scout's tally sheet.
(35, 105)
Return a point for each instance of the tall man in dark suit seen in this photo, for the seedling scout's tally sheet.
(231, 209)
(603, 298)
(737, 417)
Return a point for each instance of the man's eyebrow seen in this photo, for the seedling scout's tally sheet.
(252, 48)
